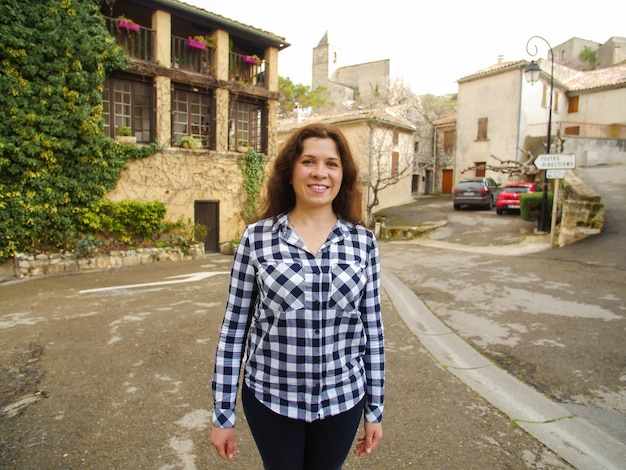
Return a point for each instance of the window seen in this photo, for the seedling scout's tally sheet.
(395, 137)
(192, 115)
(482, 129)
(480, 169)
(395, 162)
(449, 137)
(129, 103)
(572, 105)
(572, 130)
(247, 124)
(556, 102)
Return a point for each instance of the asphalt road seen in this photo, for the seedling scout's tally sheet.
(111, 369)
(553, 317)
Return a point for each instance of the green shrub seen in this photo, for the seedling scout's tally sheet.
(125, 220)
(530, 205)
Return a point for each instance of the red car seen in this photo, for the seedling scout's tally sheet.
(508, 198)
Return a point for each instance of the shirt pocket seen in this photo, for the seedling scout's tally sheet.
(347, 286)
(281, 286)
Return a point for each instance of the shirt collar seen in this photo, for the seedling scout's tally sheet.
(342, 228)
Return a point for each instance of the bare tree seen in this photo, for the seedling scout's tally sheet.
(520, 168)
(389, 161)
(510, 167)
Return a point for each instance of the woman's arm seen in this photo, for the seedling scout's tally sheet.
(231, 343)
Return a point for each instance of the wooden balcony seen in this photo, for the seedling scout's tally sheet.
(246, 69)
(190, 56)
(135, 39)
(187, 55)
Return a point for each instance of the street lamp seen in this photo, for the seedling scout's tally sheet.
(532, 73)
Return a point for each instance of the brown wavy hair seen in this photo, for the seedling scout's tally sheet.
(279, 194)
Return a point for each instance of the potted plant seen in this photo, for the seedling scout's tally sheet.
(196, 44)
(252, 59)
(124, 135)
(191, 142)
(201, 42)
(125, 23)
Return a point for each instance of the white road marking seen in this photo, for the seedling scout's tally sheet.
(182, 278)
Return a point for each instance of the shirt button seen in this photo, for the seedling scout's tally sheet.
(317, 332)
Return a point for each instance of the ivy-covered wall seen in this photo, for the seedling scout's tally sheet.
(55, 160)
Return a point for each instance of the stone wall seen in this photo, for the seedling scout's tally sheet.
(28, 265)
(581, 212)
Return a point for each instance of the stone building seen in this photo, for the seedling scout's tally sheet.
(192, 74)
(347, 84)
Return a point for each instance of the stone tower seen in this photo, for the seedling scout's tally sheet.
(325, 62)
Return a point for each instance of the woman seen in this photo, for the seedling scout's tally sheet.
(304, 289)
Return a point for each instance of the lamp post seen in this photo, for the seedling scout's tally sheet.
(532, 73)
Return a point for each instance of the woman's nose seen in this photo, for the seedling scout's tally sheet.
(319, 171)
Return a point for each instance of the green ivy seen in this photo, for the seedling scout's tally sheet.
(252, 165)
(55, 159)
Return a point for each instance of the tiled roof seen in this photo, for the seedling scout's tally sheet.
(496, 68)
(602, 78)
(202, 11)
(451, 119)
(384, 115)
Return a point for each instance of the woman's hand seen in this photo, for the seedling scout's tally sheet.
(371, 439)
(223, 439)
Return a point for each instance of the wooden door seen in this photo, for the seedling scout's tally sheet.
(207, 213)
(446, 181)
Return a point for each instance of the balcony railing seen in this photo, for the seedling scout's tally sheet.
(247, 69)
(135, 39)
(580, 129)
(192, 58)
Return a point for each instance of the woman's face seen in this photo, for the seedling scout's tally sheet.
(317, 173)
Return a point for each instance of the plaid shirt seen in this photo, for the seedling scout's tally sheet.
(315, 333)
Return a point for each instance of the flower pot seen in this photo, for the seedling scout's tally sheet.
(129, 26)
(196, 44)
(242, 149)
(192, 145)
(126, 139)
(250, 60)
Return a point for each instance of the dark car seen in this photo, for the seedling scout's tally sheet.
(476, 192)
(508, 198)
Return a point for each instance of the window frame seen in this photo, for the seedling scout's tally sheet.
(250, 132)
(132, 113)
(206, 130)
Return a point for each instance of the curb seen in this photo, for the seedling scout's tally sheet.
(572, 438)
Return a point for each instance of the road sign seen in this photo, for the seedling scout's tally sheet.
(556, 161)
(555, 174)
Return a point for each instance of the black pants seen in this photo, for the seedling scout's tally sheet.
(291, 444)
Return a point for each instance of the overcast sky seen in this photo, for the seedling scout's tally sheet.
(430, 45)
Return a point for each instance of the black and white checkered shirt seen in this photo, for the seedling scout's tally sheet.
(315, 343)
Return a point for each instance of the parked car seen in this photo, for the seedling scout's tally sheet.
(481, 192)
(508, 198)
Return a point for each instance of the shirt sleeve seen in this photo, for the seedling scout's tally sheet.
(375, 350)
(231, 343)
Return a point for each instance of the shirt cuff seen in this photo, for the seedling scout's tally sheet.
(224, 418)
(374, 414)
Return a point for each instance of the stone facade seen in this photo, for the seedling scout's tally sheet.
(179, 177)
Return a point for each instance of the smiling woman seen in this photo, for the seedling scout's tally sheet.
(305, 284)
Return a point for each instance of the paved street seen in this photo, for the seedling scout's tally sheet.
(554, 318)
(111, 369)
